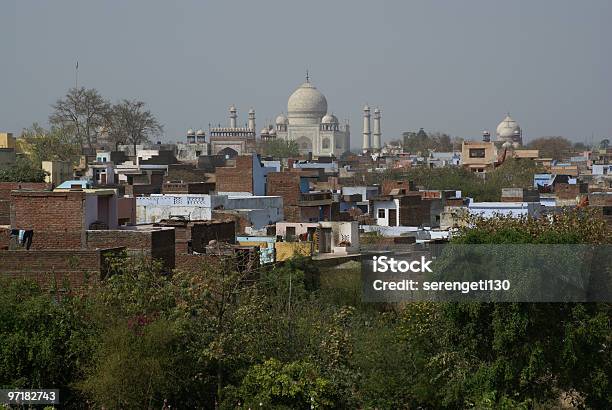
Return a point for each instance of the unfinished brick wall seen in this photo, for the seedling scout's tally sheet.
(82, 270)
(57, 218)
(157, 244)
(240, 222)
(286, 185)
(185, 173)
(4, 236)
(237, 178)
(204, 232)
(188, 187)
(413, 211)
(570, 191)
(5, 196)
(600, 199)
(389, 185)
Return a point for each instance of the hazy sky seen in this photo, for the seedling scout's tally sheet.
(451, 66)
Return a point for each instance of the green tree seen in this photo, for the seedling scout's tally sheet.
(495, 355)
(22, 171)
(280, 148)
(40, 144)
(552, 147)
(44, 342)
(295, 385)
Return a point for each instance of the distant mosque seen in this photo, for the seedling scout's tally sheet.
(508, 133)
(310, 125)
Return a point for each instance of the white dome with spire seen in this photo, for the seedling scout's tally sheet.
(200, 132)
(307, 105)
(508, 129)
(190, 132)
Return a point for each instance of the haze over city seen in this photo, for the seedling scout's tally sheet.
(454, 67)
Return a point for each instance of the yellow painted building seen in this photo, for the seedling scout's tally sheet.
(7, 140)
(478, 156)
(287, 250)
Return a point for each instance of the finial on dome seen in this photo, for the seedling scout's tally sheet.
(307, 76)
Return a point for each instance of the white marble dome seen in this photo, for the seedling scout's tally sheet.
(508, 129)
(329, 119)
(306, 105)
(281, 120)
(200, 132)
(190, 132)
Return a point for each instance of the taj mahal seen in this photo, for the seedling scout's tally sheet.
(309, 124)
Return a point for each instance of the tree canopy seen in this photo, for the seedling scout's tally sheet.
(552, 147)
(292, 336)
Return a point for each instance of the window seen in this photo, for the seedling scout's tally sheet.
(381, 213)
(290, 234)
(477, 152)
(325, 143)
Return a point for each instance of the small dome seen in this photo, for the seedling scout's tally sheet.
(329, 119)
(366, 107)
(251, 111)
(272, 132)
(190, 132)
(376, 110)
(264, 131)
(281, 120)
(232, 108)
(200, 132)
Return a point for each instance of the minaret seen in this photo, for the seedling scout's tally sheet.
(376, 134)
(486, 136)
(366, 128)
(232, 116)
(347, 132)
(252, 119)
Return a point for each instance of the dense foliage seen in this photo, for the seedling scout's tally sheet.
(513, 173)
(22, 171)
(279, 148)
(423, 142)
(292, 336)
(557, 148)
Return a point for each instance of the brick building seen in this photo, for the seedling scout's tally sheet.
(60, 219)
(5, 196)
(153, 242)
(194, 236)
(79, 270)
